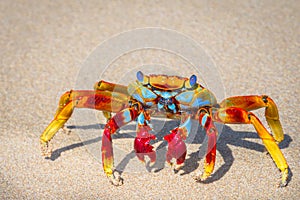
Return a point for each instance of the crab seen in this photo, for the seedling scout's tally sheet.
(171, 97)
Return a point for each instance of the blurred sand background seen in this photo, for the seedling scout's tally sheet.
(255, 45)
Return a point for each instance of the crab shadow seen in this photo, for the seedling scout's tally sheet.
(227, 136)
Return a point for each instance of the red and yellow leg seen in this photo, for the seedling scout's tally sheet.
(206, 121)
(254, 102)
(234, 115)
(118, 120)
(100, 100)
(112, 87)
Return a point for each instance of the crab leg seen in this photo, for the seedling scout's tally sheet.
(120, 119)
(206, 121)
(254, 102)
(233, 115)
(112, 87)
(100, 100)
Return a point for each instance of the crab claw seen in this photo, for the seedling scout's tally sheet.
(176, 148)
(142, 144)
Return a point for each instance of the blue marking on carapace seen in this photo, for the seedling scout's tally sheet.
(149, 103)
(184, 107)
(138, 97)
(127, 116)
(199, 102)
(148, 94)
(164, 94)
(141, 119)
(187, 125)
(204, 119)
(185, 97)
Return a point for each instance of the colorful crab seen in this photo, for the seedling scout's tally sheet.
(171, 97)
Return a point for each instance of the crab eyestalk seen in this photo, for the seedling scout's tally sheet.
(143, 79)
(191, 82)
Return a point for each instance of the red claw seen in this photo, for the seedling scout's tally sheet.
(142, 144)
(176, 147)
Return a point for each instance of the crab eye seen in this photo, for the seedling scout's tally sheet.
(140, 76)
(193, 80)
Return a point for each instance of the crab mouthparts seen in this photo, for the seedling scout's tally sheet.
(167, 104)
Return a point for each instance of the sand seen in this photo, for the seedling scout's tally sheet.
(44, 46)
